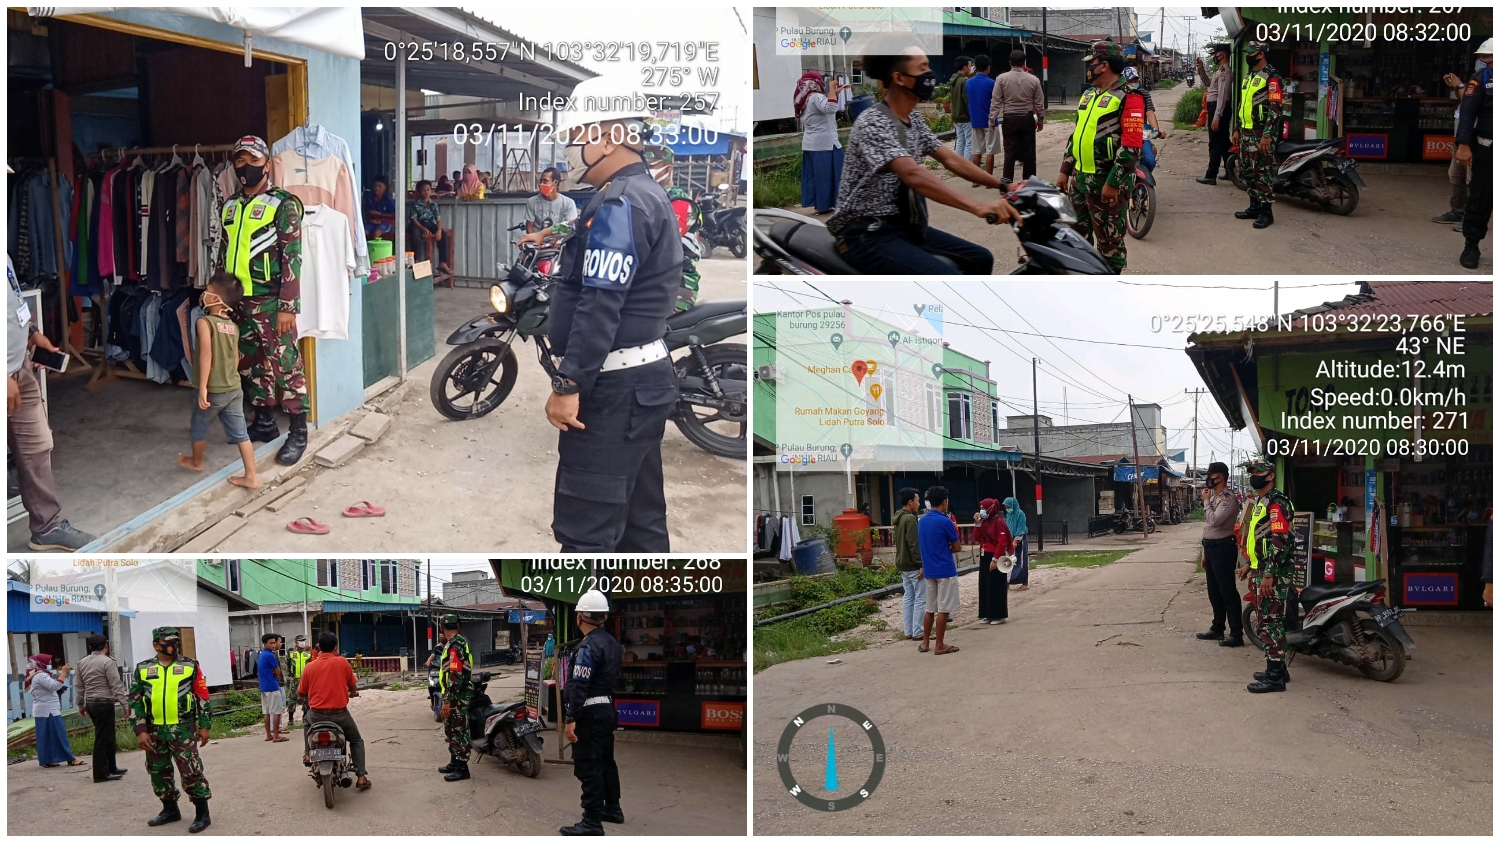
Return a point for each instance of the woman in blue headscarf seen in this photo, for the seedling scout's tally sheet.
(1015, 519)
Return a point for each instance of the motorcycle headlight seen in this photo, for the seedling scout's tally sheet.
(499, 299)
(1060, 205)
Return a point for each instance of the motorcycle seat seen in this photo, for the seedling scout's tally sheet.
(705, 310)
(813, 244)
(1318, 592)
(1291, 147)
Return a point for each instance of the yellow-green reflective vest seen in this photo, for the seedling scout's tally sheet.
(1253, 83)
(1091, 109)
(299, 661)
(443, 663)
(165, 690)
(251, 231)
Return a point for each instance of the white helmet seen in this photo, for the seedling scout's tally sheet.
(1487, 48)
(592, 601)
(604, 99)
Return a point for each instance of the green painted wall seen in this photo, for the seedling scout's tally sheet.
(267, 581)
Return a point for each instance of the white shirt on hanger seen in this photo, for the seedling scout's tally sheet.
(327, 262)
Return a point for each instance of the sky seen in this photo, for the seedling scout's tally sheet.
(444, 567)
(1097, 377)
(1181, 24)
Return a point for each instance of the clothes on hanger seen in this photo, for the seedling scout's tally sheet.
(328, 260)
(312, 143)
(33, 231)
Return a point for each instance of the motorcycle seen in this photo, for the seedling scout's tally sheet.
(1349, 623)
(792, 244)
(434, 693)
(721, 226)
(327, 758)
(478, 375)
(504, 732)
(1128, 521)
(1317, 171)
(1142, 211)
(1174, 514)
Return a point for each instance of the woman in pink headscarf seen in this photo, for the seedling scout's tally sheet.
(471, 187)
(822, 154)
(994, 541)
(52, 746)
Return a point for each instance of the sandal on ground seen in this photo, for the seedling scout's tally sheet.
(921, 649)
(77, 762)
(947, 651)
(279, 740)
(364, 509)
(365, 785)
(308, 527)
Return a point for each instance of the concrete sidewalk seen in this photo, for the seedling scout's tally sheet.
(1095, 711)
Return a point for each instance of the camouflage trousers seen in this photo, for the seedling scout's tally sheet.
(293, 702)
(1257, 169)
(1099, 222)
(270, 362)
(176, 745)
(688, 292)
(1273, 619)
(456, 731)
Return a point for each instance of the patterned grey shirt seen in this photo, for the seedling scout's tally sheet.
(869, 188)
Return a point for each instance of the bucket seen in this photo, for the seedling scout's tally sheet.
(811, 556)
(858, 105)
(381, 249)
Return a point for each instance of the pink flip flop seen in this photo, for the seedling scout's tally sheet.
(307, 526)
(364, 509)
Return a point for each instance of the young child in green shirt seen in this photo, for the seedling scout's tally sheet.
(217, 377)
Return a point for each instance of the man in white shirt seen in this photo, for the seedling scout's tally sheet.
(549, 207)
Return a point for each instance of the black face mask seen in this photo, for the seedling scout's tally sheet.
(924, 86)
(1089, 73)
(1215, 481)
(250, 175)
(1258, 482)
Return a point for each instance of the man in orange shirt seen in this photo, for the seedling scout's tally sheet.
(328, 682)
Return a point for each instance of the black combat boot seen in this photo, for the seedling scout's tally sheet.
(1469, 257)
(586, 827)
(169, 813)
(1210, 636)
(612, 814)
(264, 428)
(1250, 213)
(1272, 680)
(1233, 641)
(1266, 219)
(1279, 668)
(1208, 180)
(201, 819)
(447, 768)
(459, 772)
(296, 441)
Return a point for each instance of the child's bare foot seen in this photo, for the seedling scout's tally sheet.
(187, 462)
(248, 483)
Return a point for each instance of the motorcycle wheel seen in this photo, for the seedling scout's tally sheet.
(461, 368)
(1345, 191)
(437, 706)
(1392, 653)
(530, 764)
(328, 785)
(727, 436)
(1251, 621)
(737, 244)
(1142, 211)
(1231, 166)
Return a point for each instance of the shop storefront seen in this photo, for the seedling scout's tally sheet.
(1372, 80)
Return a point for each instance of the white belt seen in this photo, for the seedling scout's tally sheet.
(1485, 142)
(629, 358)
(597, 701)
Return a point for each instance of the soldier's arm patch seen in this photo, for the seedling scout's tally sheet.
(1275, 89)
(611, 259)
(1279, 523)
(200, 685)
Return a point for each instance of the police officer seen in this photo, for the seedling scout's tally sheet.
(1098, 166)
(615, 385)
(1270, 548)
(1475, 139)
(455, 683)
(297, 661)
(590, 717)
(1256, 131)
(168, 703)
(262, 246)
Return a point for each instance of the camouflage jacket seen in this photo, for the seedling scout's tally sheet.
(1108, 156)
(456, 666)
(192, 697)
(1266, 91)
(270, 267)
(1272, 544)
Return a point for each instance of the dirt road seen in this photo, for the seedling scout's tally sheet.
(486, 485)
(262, 788)
(1095, 711)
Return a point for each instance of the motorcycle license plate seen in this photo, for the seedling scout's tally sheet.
(326, 755)
(528, 727)
(1387, 616)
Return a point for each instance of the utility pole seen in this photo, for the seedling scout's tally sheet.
(1140, 492)
(1275, 299)
(1195, 393)
(1036, 443)
(1044, 55)
(1119, 25)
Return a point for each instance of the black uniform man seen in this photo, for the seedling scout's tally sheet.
(1476, 134)
(590, 718)
(615, 385)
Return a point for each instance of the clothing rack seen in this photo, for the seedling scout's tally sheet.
(176, 149)
(58, 240)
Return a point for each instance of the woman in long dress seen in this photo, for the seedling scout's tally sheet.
(994, 541)
(822, 154)
(1016, 520)
(52, 746)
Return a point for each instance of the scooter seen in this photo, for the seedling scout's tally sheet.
(478, 375)
(1344, 622)
(1317, 171)
(504, 732)
(434, 694)
(721, 226)
(1127, 521)
(792, 244)
(327, 758)
(1142, 211)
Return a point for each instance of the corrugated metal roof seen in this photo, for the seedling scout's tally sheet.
(367, 606)
(20, 618)
(1412, 298)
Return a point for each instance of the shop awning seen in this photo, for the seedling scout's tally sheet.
(1126, 473)
(331, 29)
(963, 23)
(371, 608)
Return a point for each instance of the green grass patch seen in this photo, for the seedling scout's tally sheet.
(779, 186)
(791, 641)
(809, 636)
(1080, 558)
(1196, 515)
(1186, 113)
(1168, 84)
(1062, 115)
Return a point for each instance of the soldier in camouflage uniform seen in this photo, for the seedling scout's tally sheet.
(660, 160)
(168, 703)
(292, 664)
(262, 246)
(1270, 548)
(1098, 169)
(1257, 129)
(455, 682)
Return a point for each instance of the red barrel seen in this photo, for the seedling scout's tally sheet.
(849, 524)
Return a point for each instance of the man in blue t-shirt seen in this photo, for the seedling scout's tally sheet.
(979, 89)
(938, 540)
(268, 671)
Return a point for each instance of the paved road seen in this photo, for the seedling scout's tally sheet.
(262, 788)
(486, 485)
(1095, 711)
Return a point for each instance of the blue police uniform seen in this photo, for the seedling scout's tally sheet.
(1476, 127)
(621, 274)
(591, 708)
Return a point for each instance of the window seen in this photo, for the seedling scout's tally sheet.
(995, 421)
(934, 400)
(960, 422)
(232, 575)
(328, 573)
(367, 574)
(809, 512)
(388, 576)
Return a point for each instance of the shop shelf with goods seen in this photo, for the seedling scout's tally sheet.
(685, 667)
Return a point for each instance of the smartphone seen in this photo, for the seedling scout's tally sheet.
(54, 360)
